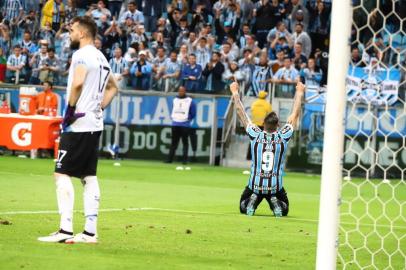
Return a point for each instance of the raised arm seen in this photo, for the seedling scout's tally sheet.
(242, 115)
(297, 104)
(110, 92)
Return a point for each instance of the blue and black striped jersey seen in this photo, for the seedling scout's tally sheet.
(268, 158)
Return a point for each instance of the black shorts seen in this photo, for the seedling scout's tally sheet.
(281, 195)
(78, 154)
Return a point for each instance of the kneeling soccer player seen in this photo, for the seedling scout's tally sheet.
(268, 149)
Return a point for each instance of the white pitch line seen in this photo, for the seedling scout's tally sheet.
(39, 212)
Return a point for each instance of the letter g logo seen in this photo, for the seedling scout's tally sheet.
(21, 134)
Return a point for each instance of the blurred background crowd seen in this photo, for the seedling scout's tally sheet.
(201, 44)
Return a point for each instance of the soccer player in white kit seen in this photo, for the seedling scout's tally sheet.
(91, 88)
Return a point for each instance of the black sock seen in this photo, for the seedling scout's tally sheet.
(65, 232)
(88, 233)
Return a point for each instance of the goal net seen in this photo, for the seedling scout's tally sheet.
(372, 228)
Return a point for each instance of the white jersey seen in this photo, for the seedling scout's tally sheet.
(91, 97)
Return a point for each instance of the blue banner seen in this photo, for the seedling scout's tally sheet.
(136, 109)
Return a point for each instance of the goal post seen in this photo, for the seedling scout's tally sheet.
(339, 52)
(362, 214)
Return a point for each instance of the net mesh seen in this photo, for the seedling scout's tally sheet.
(372, 230)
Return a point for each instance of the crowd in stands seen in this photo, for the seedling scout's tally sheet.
(154, 44)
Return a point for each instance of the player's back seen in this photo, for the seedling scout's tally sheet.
(91, 97)
(268, 158)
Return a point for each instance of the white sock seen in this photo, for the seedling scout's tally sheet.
(65, 196)
(91, 199)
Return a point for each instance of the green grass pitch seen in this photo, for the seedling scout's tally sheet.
(154, 217)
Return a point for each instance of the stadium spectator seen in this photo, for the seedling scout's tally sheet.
(138, 36)
(231, 14)
(47, 101)
(278, 11)
(183, 112)
(228, 28)
(234, 49)
(285, 78)
(70, 10)
(202, 50)
(226, 54)
(278, 31)
(4, 37)
(28, 45)
(13, 10)
(53, 13)
(191, 74)
(261, 75)
(312, 74)
(82, 6)
(192, 38)
(251, 44)
(98, 10)
(183, 55)
(260, 108)
(319, 24)
(213, 73)
(63, 76)
(246, 7)
(158, 68)
(298, 13)
(141, 72)
(131, 56)
(3, 66)
(232, 73)
(50, 70)
(283, 43)
(62, 36)
(180, 27)
(152, 10)
(158, 40)
(172, 70)
(29, 23)
(247, 64)
(299, 58)
(143, 46)
(321, 59)
(112, 38)
(287, 74)
(246, 32)
(263, 21)
(163, 28)
(115, 7)
(119, 67)
(47, 33)
(36, 62)
(132, 12)
(356, 59)
(299, 36)
(278, 62)
(181, 5)
(15, 66)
